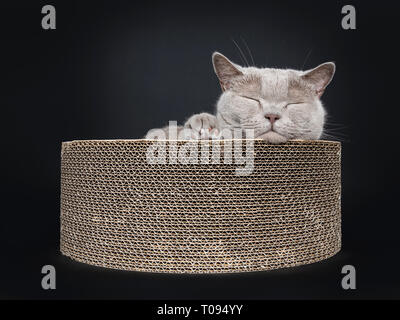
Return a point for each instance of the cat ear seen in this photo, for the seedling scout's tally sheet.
(320, 76)
(225, 70)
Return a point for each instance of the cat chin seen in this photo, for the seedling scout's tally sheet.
(273, 137)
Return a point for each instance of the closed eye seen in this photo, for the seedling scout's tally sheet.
(254, 99)
(293, 104)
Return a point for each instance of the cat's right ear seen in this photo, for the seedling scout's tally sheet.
(225, 70)
(320, 77)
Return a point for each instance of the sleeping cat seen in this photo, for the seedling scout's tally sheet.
(278, 104)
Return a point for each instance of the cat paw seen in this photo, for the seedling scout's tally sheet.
(203, 125)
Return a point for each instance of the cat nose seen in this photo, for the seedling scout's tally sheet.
(272, 117)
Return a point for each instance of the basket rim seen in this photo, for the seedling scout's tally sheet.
(295, 141)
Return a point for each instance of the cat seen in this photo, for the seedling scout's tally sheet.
(277, 104)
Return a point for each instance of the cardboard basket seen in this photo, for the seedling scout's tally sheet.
(173, 206)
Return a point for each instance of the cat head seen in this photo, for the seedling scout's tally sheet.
(279, 104)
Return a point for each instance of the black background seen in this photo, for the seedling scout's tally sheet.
(114, 69)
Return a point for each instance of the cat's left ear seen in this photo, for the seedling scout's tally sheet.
(225, 70)
(320, 77)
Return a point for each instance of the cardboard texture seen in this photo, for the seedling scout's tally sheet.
(118, 211)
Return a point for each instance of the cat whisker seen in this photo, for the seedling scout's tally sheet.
(329, 123)
(333, 137)
(248, 50)
(305, 60)
(243, 57)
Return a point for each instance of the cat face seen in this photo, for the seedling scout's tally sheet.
(277, 104)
